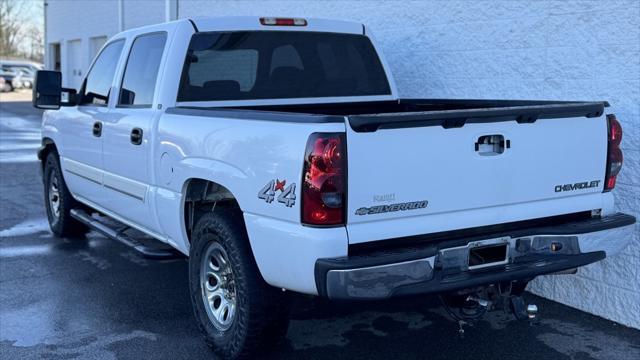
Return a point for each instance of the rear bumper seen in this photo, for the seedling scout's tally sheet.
(443, 266)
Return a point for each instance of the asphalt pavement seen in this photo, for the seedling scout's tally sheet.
(92, 298)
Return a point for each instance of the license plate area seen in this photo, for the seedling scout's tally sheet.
(483, 255)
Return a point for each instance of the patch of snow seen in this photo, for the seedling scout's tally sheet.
(19, 138)
(27, 227)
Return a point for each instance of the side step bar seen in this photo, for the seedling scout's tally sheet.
(146, 251)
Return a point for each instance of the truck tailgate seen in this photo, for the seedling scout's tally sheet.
(411, 174)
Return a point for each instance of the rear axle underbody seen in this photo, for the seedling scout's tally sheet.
(467, 306)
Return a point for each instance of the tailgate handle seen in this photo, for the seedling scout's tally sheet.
(491, 145)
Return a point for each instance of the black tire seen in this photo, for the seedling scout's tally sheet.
(261, 316)
(60, 220)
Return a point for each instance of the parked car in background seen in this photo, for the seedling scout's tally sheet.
(24, 71)
(277, 154)
(9, 64)
(26, 76)
(3, 84)
(17, 79)
(12, 80)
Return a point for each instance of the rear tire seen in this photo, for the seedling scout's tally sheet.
(223, 275)
(58, 200)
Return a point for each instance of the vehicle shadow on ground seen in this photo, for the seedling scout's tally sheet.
(414, 327)
(418, 328)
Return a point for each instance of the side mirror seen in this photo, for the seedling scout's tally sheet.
(47, 90)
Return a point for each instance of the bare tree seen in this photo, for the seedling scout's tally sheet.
(20, 37)
(34, 43)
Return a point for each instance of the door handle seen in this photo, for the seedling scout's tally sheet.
(97, 129)
(136, 136)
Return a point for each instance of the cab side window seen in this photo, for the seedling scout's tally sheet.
(141, 73)
(98, 83)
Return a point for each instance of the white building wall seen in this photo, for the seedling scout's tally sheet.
(564, 50)
(143, 12)
(69, 20)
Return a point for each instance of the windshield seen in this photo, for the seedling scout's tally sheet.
(280, 64)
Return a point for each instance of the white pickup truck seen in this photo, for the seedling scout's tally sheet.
(277, 155)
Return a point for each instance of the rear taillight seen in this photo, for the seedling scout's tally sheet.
(323, 181)
(614, 154)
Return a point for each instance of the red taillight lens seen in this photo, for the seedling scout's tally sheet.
(614, 153)
(323, 182)
(615, 130)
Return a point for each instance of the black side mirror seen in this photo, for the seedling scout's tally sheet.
(47, 90)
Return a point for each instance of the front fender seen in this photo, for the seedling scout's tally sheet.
(50, 133)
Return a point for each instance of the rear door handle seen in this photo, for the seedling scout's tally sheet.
(97, 129)
(136, 136)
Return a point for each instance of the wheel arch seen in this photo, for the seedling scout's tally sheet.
(47, 146)
(200, 195)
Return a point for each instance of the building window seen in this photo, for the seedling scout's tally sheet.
(55, 61)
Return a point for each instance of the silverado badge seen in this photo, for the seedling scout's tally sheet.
(392, 208)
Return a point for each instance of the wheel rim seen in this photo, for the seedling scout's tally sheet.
(218, 286)
(54, 195)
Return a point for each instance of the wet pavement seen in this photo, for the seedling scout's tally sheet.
(92, 298)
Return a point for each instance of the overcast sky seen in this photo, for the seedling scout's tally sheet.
(34, 12)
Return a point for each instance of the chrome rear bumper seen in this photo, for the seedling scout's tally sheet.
(436, 268)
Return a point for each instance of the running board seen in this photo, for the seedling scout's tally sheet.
(146, 251)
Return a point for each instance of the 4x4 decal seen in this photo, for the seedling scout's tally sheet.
(287, 195)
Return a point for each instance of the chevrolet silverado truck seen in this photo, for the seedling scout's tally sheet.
(277, 156)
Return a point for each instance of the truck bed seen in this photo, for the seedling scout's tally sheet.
(469, 163)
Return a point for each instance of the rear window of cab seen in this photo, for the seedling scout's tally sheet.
(243, 65)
